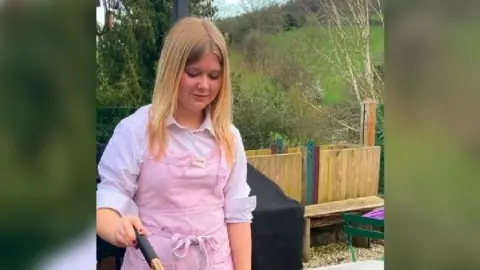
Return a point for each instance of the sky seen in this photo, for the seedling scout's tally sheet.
(226, 8)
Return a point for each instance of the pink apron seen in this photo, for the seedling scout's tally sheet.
(180, 201)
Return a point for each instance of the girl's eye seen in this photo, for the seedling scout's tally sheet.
(192, 74)
(214, 76)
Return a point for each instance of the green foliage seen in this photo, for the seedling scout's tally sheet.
(127, 56)
(107, 119)
(260, 111)
(315, 49)
(379, 139)
(290, 22)
(203, 8)
(380, 133)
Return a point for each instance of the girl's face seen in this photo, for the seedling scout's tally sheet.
(200, 83)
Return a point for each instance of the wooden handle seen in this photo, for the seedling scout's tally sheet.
(148, 252)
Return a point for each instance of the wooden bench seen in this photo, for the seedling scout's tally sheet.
(324, 214)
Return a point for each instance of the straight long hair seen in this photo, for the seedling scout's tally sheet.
(186, 43)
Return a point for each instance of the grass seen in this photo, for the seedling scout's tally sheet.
(310, 47)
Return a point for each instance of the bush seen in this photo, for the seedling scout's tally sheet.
(380, 136)
(107, 120)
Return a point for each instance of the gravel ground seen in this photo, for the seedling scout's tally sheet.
(337, 253)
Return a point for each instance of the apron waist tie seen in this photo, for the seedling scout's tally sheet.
(182, 243)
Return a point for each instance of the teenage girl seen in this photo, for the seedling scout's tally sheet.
(176, 169)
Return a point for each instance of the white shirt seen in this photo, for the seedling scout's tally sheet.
(121, 163)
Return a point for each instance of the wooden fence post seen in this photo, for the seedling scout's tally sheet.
(368, 122)
(280, 146)
(310, 147)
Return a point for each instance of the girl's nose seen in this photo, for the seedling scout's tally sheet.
(203, 82)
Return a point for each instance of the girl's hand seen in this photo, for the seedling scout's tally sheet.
(125, 235)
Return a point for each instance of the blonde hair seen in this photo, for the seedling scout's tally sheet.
(187, 41)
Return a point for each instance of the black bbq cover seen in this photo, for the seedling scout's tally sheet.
(277, 228)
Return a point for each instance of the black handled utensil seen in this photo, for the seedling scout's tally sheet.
(148, 252)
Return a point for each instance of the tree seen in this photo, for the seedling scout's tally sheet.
(346, 26)
(204, 8)
(127, 56)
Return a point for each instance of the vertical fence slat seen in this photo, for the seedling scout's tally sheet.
(309, 185)
(304, 151)
(316, 171)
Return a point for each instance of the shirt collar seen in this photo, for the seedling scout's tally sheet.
(206, 125)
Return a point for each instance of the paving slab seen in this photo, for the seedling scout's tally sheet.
(362, 265)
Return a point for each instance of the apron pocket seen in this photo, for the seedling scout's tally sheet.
(220, 256)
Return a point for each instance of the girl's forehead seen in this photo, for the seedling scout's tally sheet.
(207, 61)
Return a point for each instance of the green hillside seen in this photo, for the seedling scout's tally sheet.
(308, 48)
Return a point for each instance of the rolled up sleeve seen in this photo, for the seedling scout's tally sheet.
(238, 204)
(118, 170)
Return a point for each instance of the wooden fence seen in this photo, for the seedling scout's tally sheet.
(318, 174)
(286, 170)
(346, 173)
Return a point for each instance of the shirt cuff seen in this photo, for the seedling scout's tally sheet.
(118, 202)
(240, 209)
